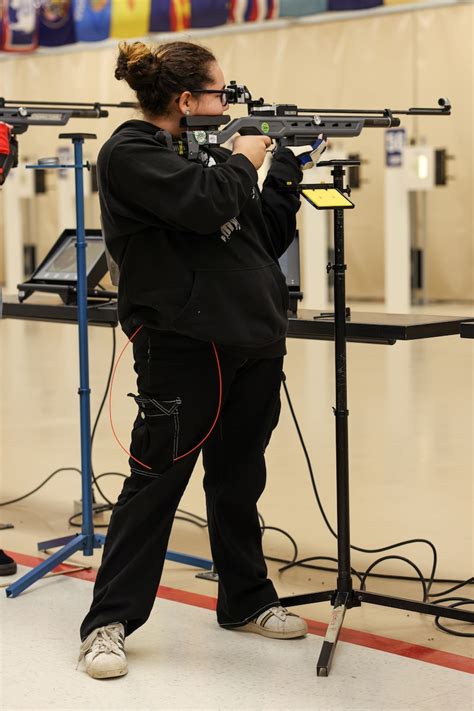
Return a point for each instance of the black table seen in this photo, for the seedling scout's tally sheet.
(52, 309)
(367, 327)
(361, 327)
(467, 329)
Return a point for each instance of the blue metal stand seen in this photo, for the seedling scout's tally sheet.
(87, 540)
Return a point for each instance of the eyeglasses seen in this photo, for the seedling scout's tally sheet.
(222, 92)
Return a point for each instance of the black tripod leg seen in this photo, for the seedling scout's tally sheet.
(415, 606)
(330, 641)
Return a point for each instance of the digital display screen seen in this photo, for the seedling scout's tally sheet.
(61, 266)
(290, 264)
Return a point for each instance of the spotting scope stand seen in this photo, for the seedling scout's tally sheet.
(87, 540)
(344, 597)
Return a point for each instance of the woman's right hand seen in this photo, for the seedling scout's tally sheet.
(252, 147)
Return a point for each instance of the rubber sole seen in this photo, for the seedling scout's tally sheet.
(109, 674)
(8, 569)
(257, 629)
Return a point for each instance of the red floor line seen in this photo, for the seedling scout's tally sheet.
(363, 639)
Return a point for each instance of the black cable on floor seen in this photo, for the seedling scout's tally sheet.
(280, 530)
(458, 602)
(25, 496)
(427, 584)
(193, 518)
(385, 576)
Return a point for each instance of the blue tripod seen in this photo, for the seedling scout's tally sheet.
(87, 540)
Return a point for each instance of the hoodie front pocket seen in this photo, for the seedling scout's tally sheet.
(245, 307)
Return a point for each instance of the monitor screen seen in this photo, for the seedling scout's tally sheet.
(61, 266)
(290, 264)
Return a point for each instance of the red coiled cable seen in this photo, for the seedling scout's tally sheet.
(181, 456)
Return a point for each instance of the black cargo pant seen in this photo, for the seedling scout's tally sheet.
(178, 388)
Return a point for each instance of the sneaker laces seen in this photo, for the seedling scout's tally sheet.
(103, 640)
(280, 612)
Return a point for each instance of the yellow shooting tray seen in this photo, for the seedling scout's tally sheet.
(327, 198)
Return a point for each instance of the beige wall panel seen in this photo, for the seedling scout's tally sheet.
(341, 64)
(370, 72)
(367, 62)
(445, 64)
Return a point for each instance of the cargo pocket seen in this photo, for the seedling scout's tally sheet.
(155, 434)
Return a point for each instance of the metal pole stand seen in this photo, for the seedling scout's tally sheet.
(344, 596)
(87, 540)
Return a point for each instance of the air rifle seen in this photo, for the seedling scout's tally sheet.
(17, 116)
(287, 124)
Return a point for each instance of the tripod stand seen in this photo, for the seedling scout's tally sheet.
(344, 596)
(87, 540)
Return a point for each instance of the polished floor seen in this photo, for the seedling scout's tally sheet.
(181, 659)
(411, 466)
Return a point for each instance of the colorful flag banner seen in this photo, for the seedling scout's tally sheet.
(170, 15)
(26, 23)
(353, 4)
(209, 13)
(160, 16)
(273, 9)
(252, 10)
(180, 15)
(56, 23)
(18, 25)
(297, 8)
(130, 18)
(92, 20)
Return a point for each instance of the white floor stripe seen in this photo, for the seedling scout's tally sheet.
(181, 659)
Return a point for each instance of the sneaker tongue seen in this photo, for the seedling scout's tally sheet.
(105, 638)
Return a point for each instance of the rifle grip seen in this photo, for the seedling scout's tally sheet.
(250, 131)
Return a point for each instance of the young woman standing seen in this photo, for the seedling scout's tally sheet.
(203, 299)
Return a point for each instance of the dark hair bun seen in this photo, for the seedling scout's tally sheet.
(137, 64)
(160, 73)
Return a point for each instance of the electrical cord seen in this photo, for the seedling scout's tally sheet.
(188, 517)
(458, 602)
(385, 576)
(202, 523)
(25, 496)
(426, 583)
(94, 478)
(323, 513)
(280, 530)
(301, 563)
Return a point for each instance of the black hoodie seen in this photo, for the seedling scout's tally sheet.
(197, 245)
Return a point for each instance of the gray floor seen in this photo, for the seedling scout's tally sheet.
(411, 462)
(181, 659)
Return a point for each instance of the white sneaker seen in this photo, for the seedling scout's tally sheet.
(103, 652)
(276, 622)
